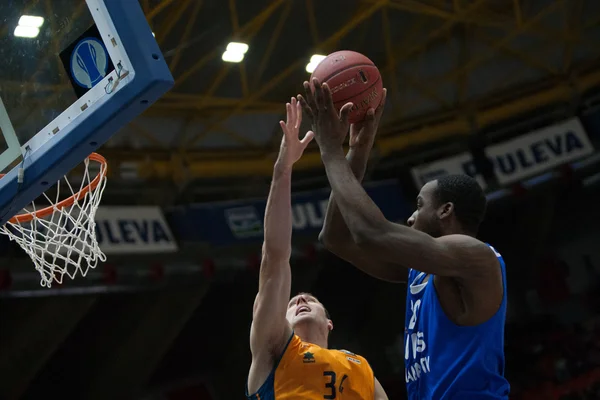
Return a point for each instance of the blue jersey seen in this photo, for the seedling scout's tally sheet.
(447, 361)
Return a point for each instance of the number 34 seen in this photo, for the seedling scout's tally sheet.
(331, 384)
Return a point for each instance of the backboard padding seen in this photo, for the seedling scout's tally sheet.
(101, 120)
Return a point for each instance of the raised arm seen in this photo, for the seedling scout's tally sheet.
(270, 329)
(335, 235)
(335, 231)
(394, 246)
(379, 392)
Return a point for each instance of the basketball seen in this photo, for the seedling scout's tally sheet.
(352, 77)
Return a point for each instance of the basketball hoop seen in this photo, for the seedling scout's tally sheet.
(61, 238)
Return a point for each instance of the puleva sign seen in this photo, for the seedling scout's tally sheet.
(518, 158)
(129, 230)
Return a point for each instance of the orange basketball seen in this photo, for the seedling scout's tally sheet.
(352, 77)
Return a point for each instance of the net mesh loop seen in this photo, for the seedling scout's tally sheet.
(61, 238)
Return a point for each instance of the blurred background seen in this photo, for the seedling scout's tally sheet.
(507, 91)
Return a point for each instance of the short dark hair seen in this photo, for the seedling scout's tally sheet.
(468, 199)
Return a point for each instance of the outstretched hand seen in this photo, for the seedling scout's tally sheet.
(330, 127)
(292, 147)
(362, 134)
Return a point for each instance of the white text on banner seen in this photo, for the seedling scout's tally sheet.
(518, 158)
(447, 166)
(133, 230)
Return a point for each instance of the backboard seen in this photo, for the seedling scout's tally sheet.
(72, 74)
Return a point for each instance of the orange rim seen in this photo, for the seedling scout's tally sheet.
(44, 212)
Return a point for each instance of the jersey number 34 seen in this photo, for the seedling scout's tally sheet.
(331, 385)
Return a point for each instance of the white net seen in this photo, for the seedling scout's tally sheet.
(61, 239)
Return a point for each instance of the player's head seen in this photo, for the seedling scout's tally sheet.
(306, 312)
(449, 205)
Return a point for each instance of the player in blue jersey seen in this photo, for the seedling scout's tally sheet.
(456, 297)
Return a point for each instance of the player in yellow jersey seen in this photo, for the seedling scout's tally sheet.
(288, 338)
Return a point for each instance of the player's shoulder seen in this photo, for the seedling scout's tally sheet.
(348, 352)
(458, 239)
(352, 357)
(474, 254)
(468, 246)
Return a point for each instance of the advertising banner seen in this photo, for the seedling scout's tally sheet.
(224, 223)
(133, 230)
(518, 158)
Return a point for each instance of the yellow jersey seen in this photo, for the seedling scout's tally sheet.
(308, 372)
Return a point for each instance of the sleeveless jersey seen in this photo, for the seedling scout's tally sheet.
(307, 371)
(447, 361)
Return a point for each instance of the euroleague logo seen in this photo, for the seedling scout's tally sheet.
(89, 62)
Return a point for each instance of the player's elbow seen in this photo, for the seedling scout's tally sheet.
(366, 232)
(366, 236)
(327, 239)
(334, 244)
(361, 237)
(323, 237)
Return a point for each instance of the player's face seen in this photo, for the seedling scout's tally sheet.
(425, 217)
(306, 308)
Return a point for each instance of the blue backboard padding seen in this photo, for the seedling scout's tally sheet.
(57, 157)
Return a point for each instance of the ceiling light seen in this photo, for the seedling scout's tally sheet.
(26, 31)
(29, 26)
(236, 47)
(230, 56)
(31, 21)
(235, 52)
(314, 61)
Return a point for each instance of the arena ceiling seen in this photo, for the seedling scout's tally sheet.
(443, 62)
(451, 67)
